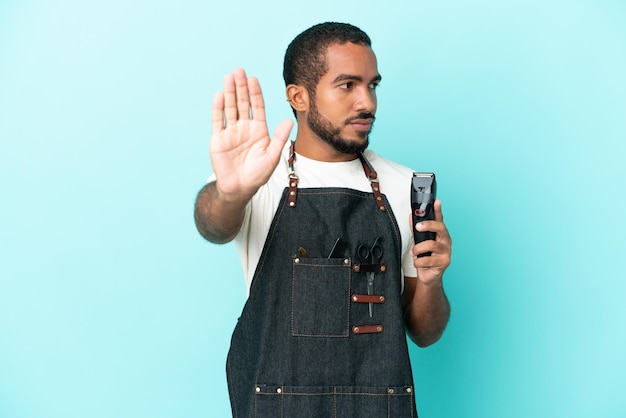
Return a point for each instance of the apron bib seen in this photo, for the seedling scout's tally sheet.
(305, 345)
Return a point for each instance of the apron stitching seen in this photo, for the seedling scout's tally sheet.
(313, 192)
(293, 296)
(395, 231)
(270, 238)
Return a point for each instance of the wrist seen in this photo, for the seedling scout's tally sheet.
(430, 282)
(238, 198)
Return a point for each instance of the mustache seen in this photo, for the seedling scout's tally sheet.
(361, 116)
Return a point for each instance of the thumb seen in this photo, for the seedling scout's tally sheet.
(281, 134)
(438, 212)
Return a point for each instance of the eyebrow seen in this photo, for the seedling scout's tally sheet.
(344, 77)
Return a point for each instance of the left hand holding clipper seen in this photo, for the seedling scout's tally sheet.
(430, 268)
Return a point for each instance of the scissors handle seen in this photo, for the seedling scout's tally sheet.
(370, 255)
(376, 252)
(363, 253)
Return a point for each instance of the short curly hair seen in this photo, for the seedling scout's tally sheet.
(305, 58)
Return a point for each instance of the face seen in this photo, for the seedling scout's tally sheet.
(341, 113)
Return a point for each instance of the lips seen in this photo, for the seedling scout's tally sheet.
(362, 124)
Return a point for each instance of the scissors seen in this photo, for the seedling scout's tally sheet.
(372, 256)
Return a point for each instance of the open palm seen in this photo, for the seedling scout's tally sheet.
(242, 154)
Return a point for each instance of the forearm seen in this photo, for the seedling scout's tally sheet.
(427, 314)
(218, 219)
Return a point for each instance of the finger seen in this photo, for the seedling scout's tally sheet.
(431, 226)
(282, 131)
(431, 246)
(230, 100)
(423, 247)
(439, 228)
(256, 99)
(440, 257)
(281, 134)
(432, 267)
(241, 90)
(428, 246)
(438, 212)
(217, 113)
(428, 262)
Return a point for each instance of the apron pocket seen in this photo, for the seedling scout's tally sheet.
(334, 402)
(320, 297)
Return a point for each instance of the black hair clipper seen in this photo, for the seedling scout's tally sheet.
(423, 194)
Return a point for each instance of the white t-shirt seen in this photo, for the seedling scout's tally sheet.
(395, 184)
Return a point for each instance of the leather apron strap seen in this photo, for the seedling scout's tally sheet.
(367, 168)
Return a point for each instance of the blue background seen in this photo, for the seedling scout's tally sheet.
(111, 305)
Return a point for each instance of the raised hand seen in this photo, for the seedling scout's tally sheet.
(242, 154)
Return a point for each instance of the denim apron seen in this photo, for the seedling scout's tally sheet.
(305, 345)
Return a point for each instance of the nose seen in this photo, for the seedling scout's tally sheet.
(365, 100)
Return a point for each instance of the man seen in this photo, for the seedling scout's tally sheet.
(323, 230)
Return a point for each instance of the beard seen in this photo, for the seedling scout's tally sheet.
(331, 134)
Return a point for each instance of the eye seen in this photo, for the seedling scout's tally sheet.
(347, 85)
(373, 86)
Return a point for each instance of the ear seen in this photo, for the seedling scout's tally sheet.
(298, 97)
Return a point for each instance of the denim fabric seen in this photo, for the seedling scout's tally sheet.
(320, 303)
(318, 402)
(294, 352)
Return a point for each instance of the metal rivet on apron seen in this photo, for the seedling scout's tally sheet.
(279, 390)
(409, 390)
(379, 329)
(375, 188)
(356, 268)
(383, 209)
(292, 204)
(258, 389)
(379, 198)
(292, 193)
(355, 330)
(355, 298)
(293, 184)
(296, 260)
(346, 261)
(390, 391)
(383, 268)
(382, 298)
